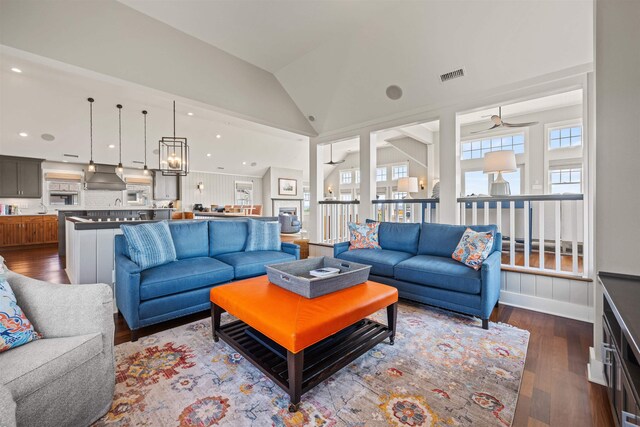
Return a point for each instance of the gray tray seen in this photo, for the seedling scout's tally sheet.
(294, 276)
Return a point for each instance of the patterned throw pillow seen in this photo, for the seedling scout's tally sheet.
(15, 328)
(474, 247)
(363, 236)
(263, 236)
(150, 244)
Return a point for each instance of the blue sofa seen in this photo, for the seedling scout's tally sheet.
(209, 253)
(416, 259)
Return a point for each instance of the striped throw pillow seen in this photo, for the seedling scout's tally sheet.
(263, 236)
(149, 244)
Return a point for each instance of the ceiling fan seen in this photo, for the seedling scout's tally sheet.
(331, 162)
(497, 122)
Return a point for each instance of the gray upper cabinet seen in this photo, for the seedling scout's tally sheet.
(165, 187)
(20, 177)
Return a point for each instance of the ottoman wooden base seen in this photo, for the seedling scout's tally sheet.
(305, 369)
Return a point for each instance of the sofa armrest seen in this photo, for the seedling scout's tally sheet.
(291, 248)
(491, 277)
(128, 290)
(338, 248)
(7, 408)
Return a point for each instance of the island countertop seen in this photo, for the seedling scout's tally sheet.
(80, 223)
(114, 208)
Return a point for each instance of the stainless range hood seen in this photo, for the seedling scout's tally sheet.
(104, 178)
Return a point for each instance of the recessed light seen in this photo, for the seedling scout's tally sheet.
(208, 154)
(244, 163)
(218, 136)
(16, 70)
(112, 146)
(23, 134)
(65, 161)
(189, 114)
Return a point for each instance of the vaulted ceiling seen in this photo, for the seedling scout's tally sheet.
(279, 61)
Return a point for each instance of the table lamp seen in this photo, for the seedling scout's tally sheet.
(408, 185)
(499, 162)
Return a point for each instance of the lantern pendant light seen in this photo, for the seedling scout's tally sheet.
(145, 170)
(120, 168)
(92, 166)
(173, 153)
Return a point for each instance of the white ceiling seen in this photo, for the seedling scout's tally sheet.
(269, 34)
(49, 97)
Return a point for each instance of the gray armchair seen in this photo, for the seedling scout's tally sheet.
(68, 377)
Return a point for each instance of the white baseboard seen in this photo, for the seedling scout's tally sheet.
(549, 306)
(595, 369)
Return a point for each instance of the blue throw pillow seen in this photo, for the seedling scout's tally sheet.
(150, 244)
(263, 236)
(15, 328)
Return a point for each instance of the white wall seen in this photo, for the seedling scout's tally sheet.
(219, 189)
(270, 188)
(108, 37)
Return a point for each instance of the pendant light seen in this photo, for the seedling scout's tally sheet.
(173, 153)
(145, 170)
(92, 166)
(120, 168)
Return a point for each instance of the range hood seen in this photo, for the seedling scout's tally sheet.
(104, 178)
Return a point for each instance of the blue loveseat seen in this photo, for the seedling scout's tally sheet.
(416, 259)
(209, 253)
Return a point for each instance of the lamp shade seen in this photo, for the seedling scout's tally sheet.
(408, 184)
(500, 161)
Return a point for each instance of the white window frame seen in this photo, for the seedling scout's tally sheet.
(561, 167)
(503, 134)
(344, 173)
(398, 165)
(491, 178)
(560, 126)
(378, 174)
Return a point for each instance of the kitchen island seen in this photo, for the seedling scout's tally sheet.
(108, 212)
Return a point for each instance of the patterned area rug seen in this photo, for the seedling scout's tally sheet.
(443, 370)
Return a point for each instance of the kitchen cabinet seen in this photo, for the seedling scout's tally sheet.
(165, 187)
(28, 230)
(20, 177)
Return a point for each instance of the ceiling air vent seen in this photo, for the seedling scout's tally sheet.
(452, 75)
(75, 156)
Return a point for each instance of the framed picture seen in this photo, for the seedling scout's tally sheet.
(287, 187)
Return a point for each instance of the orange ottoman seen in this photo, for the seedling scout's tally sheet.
(319, 335)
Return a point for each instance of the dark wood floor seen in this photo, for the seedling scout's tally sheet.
(554, 392)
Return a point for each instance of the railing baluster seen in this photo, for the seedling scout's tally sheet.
(541, 233)
(512, 233)
(558, 227)
(527, 223)
(485, 208)
(499, 216)
(574, 240)
(474, 213)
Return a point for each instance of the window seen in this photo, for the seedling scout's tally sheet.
(306, 202)
(345, 177)
(397, 195)
(476, 183)
(399, 171)
(565, 137)
(346, 197)
(513, 178)
(357, 176)
(476, 149)
(381, 174)
(568, 180)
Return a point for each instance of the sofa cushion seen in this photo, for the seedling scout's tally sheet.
(397, 236)
(226, 236)
(474, 247)
(249, 264)
(381, 261)
(190, 238)
(150, 244)
(34, 365)
(183, 275)
(442, 239)
(439, 272)
(363, 236)
(263, 236)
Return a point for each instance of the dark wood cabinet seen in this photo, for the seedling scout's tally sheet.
(620, 352)
(20, 177)
(28, 230)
